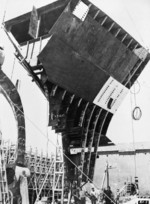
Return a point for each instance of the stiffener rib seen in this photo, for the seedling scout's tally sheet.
(91, 135)
(97, 140)
(87, 120)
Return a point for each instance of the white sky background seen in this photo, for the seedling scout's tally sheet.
(133, 16)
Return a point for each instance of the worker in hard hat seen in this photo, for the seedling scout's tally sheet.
(93, 195)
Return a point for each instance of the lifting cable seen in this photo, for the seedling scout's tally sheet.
(136, 112)
(133, 132)
(131, 19)
(2, 23)
(12, 72)
(5, 10)
(63, 152)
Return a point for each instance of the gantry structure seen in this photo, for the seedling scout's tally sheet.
(85, 64)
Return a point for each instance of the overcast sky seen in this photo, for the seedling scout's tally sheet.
(133, 16)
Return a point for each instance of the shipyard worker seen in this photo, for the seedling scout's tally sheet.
(93, 195)
(24, 187)
(117, 196)
(2, 55)
(82, 194)
(133, 189)
(76, 195)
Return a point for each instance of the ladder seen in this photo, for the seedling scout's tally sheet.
(5, 197)
(58, 177)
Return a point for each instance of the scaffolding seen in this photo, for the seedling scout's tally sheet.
(39, 166)
(58, 178)
(5, 195)
(46, 180)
